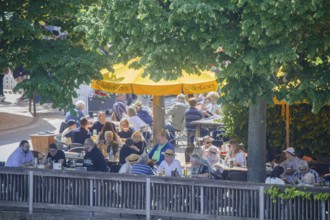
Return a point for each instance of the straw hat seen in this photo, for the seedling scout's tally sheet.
(132, 158)
(169, 152)
(138, 104)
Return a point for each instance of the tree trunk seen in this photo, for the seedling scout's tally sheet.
(257, 141)
(159, 116)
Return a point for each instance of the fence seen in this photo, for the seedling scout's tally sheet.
(150, 196)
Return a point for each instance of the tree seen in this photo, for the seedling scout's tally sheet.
(255, 38)
(58, 62)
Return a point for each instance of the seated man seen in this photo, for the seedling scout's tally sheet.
(143, 113)
(79, 135)
(290, 165)
(71, 126)
(79, 107)
(98, 125)
(170, 164)
(207, 143)
(21, 157)
(302, 170)
(161, 146)
(94, 159)
(141, 167)
(55, 155)
(198, 169)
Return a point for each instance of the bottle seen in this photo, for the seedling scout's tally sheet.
(185, 171)
(111, 156)
(163, 171)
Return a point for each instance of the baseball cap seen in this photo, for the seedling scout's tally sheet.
(290, 150)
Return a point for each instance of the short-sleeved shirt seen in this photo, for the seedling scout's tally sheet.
(175, 165)
(79, 135)
(97, 126)
(58, 156)
(274, 180)
(19, 157)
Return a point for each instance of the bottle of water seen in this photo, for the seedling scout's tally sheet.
(111, 156)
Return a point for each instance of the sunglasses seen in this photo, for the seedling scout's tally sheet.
(208, 142)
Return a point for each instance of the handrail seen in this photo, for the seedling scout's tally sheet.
(148, 195)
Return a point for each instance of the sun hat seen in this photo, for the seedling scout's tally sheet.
(138, 104)
(290, 150)
(132, 158)
(169, 152)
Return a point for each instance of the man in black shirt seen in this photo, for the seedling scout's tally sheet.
(94, 159)
(57, 156)
(79, 135)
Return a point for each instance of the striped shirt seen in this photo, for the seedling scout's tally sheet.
(299, 175)
(119, 109)
(142, 169)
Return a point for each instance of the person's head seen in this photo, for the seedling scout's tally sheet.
(161, 137)
(277, 172)
(24, 145)
(89, 144)
(102, 117)
(207, 141)
(233, 146)
(180, 98)
(195, 160)
(143, 159)
(129, 142)
(198, 150)
(124, 124)
(131, 111)
(213, 97)
(213, 150)
(308, 179)
(303, 166)
(108, 126)
(290, 153)
(83, 122)
(52, 148)
(132, 159)
(80, 105)
(108, 136)
(72, 124)
(138, 105)
(192, 102)
(136, 136)
(169, 156)
(120, 97)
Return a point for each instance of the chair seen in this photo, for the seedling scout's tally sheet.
(179, 135)
(58, 142)
(237, 176)
(37, 154)
(76, 149)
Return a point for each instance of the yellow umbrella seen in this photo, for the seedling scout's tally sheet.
(127, 80)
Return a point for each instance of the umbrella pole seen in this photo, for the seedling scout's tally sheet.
(158, 116)
(287, 124)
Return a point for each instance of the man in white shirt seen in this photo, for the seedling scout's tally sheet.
(169, 164)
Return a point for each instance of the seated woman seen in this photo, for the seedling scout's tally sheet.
(139, 141)
(235, 154)
(137, 123)
(275, 176)
(125, 131)
(109, 126)
(112, 146)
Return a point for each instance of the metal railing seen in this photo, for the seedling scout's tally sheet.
(145, 195)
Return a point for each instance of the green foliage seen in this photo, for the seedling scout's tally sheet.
(57, 66)
(292, 192)
(309, 132)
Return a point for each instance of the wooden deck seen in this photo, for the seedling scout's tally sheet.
(91, 192)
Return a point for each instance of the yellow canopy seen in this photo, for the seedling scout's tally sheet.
(128, 80)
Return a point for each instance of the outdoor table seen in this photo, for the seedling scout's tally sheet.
(41, 141)
(205, 122)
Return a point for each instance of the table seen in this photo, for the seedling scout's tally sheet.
(205, 122)
(40, 142)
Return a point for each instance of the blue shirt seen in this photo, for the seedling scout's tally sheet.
(145, 116)
(142, 169)
(168, 145)
(19, 157)
(192, 114)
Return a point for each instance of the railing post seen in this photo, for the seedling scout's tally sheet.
(323, 210)
(202, 200)
(261, 203)
(91, 190)
(148, 194)
(30, 192)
